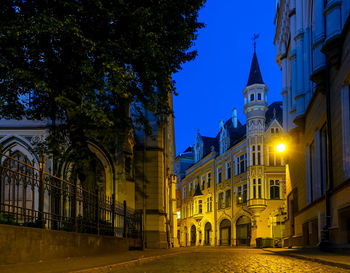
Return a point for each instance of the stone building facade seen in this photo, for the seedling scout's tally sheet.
(313, 49)
(138, 171)
(234, 192)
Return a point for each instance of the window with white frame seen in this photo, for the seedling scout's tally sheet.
(219, 175)
(259, 96)
(200, 206)
(203, 182)
(274, 189)
(253, 155)
(227, 198)
(208, 180)
(220, 200)
(241, 164)
(228, 170)
(259, 154)
(257, 189)
(209, 204)
(242, 194)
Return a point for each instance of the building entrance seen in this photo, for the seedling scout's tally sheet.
(207, 234)
(243, 231)
(225, 233)
(193, 235)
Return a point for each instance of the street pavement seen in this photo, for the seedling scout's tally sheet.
(230, 260)
(192, 259)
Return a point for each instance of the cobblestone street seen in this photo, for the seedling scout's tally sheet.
(230, 260)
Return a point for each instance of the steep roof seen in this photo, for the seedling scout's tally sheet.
(254, 74)
(274, 112)
(198, 191)
(236, 134)
(208, 142)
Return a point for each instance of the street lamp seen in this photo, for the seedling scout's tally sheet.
(281, 147)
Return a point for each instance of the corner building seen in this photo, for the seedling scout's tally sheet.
(235, 190)
(312, 42)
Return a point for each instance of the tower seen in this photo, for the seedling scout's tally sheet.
(255, 107)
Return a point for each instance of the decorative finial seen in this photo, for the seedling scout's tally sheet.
(255, 37)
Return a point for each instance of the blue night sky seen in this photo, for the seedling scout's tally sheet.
(212, 85)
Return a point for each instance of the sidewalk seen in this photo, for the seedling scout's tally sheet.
(102, 263)
(314, 255)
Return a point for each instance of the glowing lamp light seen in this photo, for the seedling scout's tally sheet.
(281, 148)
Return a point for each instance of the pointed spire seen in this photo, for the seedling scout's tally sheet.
(197, 191)
(254, 74)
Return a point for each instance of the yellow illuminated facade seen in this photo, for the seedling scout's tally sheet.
(235, 190)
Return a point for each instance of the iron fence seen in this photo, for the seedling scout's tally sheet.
(31, 197)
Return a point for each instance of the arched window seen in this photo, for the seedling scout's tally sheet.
(274, 189)
(19, 191)
(251, 97)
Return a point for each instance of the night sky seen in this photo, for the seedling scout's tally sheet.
(211, 85)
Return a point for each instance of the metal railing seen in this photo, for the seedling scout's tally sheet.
(31, 197)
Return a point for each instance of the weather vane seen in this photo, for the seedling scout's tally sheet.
(255, 37)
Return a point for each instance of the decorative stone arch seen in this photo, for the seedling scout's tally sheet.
(107, 164)
(17, 143)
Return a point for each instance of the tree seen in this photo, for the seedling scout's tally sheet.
(81, 64)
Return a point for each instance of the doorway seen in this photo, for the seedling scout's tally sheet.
(225, 233)
(243, 231)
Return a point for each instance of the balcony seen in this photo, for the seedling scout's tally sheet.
(256, 205)
(198, 216)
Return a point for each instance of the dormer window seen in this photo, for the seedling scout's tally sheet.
(259, 96)
(272, 130)
(251, 97)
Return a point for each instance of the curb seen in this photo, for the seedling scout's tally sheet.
(312, 259)
(109, 267)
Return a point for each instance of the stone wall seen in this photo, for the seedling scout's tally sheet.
(24, 244)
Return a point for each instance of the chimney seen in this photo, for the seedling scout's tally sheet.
(234, 117)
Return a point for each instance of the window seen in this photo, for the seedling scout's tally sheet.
(219, 175)
(259, 96)
(274, 189)
(257, 189)
(184, 193)
(228, 198)
(253, 154)
(254, 188)
(220, 200)
(272, 130)
(228, 170)
(208, 180)
(203, 182)
(259, 154)
(190, 188)
(241, 164)
(251, 97)
(200, 206)
(209, 204)
(242, 194)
